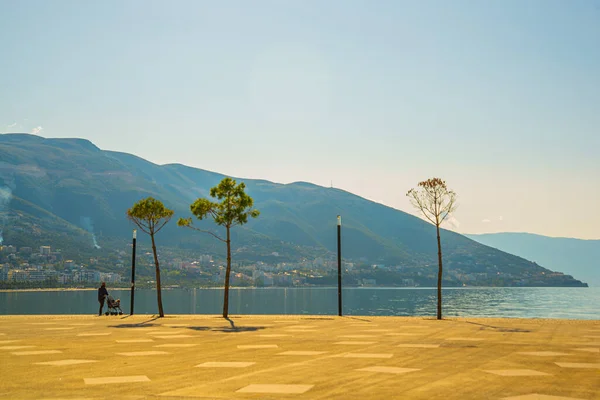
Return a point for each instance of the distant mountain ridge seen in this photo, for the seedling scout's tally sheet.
(89, 191)
(577, 257)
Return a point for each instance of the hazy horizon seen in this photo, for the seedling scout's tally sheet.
(499, 99)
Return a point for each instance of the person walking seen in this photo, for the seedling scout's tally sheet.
(102, 294)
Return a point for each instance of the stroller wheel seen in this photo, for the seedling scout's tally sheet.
(120, 312)
(106, 313)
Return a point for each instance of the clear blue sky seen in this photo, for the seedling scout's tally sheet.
(499, 98)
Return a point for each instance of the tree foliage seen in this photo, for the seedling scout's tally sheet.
(151, 215)
(233, 208)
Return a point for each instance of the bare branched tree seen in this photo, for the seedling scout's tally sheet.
(436, 202)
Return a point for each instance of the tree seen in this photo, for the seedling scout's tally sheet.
(436, 202)
(151, 215)
(234, 208)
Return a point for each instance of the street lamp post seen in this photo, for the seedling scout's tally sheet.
(339, 255)
(133, 270)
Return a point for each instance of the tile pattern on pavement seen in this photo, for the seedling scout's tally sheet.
(119, 357)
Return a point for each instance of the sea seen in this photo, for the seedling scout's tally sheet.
(562, 303)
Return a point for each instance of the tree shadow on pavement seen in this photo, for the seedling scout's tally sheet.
(360, 319)
(143, 324)
(230, 329)
(498, 328)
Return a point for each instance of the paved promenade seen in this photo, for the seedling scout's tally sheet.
(297, 357)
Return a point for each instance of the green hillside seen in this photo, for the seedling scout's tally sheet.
(73, 188)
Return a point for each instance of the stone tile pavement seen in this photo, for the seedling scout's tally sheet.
(297, 357)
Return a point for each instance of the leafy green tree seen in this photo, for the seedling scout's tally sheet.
(436, 202)
(234, 208)
(151, 215)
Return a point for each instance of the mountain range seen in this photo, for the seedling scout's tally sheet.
(70, 194)
(577, 257)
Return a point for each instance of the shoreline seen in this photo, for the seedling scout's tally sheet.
(55, 290)
(73, 289)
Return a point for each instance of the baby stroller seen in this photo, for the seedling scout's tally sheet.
(114, 306)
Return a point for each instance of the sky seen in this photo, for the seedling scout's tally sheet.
(501, 99)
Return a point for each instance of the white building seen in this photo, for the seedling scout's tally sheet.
(18, 275)
(36, 275)
(3, 272)
(110, 277)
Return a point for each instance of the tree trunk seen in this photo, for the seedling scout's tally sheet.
(227, 273)
(158, 294)
(439, 283)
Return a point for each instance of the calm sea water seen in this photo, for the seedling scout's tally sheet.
(569, 303)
